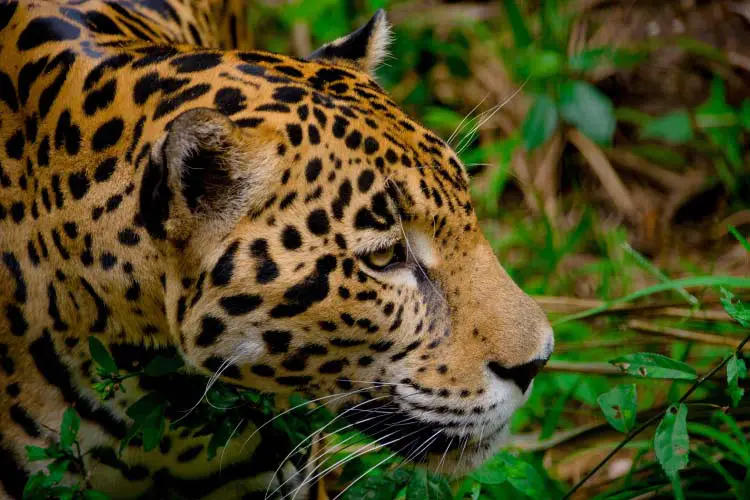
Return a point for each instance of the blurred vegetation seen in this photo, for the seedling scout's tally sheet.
(607, 144)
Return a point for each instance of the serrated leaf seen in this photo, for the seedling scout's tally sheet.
(619, 407)
(34, 453)
(101, 355)
(425, 486)
(71, 423)
(162, 365)
(674, 128)
(540, 122)
(738, 310)
(736, 370)
(652, 365)
(588, 109)
(671, 442)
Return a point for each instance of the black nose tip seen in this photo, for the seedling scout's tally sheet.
(521, 375)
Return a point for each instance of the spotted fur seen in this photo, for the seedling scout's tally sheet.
(166, 192)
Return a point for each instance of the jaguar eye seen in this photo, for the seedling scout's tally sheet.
(387, 257)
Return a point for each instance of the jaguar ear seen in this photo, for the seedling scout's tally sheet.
(365, 48)
(205, 169)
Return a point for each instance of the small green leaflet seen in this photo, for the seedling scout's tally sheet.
(540, 122)
(619, 407)
(671, 441)
(736, 370)
(71, 423)
(34, 453)
(588, 109)
(738, 310)
(161, 365)
(652, 365)
(428, 487)
(674, 128)
(101, 355)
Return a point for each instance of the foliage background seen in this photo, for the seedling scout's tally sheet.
(616, 161)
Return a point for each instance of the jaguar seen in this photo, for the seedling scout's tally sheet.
(277, 222)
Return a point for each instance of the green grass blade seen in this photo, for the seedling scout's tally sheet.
(696, 281)
(658, 273)
(743, 241)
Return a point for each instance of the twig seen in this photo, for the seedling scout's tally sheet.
(703, 338)
(653, 419)
(603, 169)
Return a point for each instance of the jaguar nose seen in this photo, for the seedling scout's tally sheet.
(521, 375)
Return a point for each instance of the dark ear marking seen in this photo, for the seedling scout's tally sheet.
(203, 171)
(364, 49)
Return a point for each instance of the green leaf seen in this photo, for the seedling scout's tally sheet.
(371, 487)
(491, 472)
(101, 355)
(220, 437)
(71, 423)
(521, 34)
(721, 123)
(738, 310)
(745, 114)
(652, 365)
(428, 487)
(523, 476)
(619, 407)
(588, 109)
(35, 453)
(36, 485)
(674, 128)
(540, 123)
(162, 365)
(736, 370)
(57, 470)
(148, 417)
(671, 441)
(591, 59)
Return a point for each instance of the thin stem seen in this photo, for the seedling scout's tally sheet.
(653, 419)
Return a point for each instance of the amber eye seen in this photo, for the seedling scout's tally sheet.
(387, 257)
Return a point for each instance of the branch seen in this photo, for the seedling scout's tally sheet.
(652, 420)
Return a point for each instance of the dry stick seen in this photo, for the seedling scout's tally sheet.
(653, 419)
(678, 333)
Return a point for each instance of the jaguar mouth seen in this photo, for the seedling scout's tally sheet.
(417, 439)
